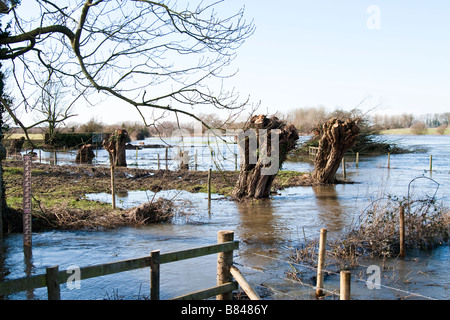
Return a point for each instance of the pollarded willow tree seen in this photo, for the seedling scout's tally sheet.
(264, 146)
(156, 55)
(335, 138)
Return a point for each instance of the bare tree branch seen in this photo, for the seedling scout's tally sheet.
(148, 54)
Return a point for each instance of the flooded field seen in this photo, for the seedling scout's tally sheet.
(267, 230)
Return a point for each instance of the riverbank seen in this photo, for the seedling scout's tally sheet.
(59, 193)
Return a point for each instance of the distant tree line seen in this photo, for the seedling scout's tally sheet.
(405, 120)
(306, 119)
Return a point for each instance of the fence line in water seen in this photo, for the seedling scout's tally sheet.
(225, 272)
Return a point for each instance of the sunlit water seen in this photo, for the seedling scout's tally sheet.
(267, 231)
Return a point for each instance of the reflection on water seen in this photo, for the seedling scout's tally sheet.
(28, 261)
(266, 228)
(258, 223)
(330, 209)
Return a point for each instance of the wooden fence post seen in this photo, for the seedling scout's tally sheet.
(431, 163)
(2, 209)
(154, 275)
(344, 293)
(209, 188)
(321, 262)
(344, 170)
(402, 231)
(51, 278)
(196, 160)
(251, 293)
(224, 263)
(167, 158)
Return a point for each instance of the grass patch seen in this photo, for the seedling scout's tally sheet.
(58, 191)
(13, 171)
(58, 201)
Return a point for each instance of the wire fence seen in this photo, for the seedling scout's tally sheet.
(328, 291)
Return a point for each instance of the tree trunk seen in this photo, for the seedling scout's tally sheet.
(336, 137)
(264, 145)
(115, 145)
(85, 154)
(16, 145)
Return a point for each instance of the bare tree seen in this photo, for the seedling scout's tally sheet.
(148, 54)
(52, 108)
(306, 119)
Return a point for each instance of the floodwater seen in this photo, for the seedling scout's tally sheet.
(267, 231)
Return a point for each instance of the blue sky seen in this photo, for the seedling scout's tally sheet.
(307, 53)
(310, 53)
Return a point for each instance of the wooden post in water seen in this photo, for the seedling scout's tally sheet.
(389, 160)
(344, 293)
(402, 231)
(196, 159)
(167, 158)
(357, 159)
(431, 163)
(154, 275)
(344, 172)
(113, 188)
(251, 293)
(321, 262)
(209, 187)
(159, 163)
(224, 263)
(51, 278)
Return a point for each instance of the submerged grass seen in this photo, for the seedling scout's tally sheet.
(58, 201)
(376, 234)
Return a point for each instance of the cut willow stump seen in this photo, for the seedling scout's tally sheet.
(336, 137)
(85, 154)
(264, 145)
(116, 147)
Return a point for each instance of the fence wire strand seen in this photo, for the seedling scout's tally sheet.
(409, 293)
